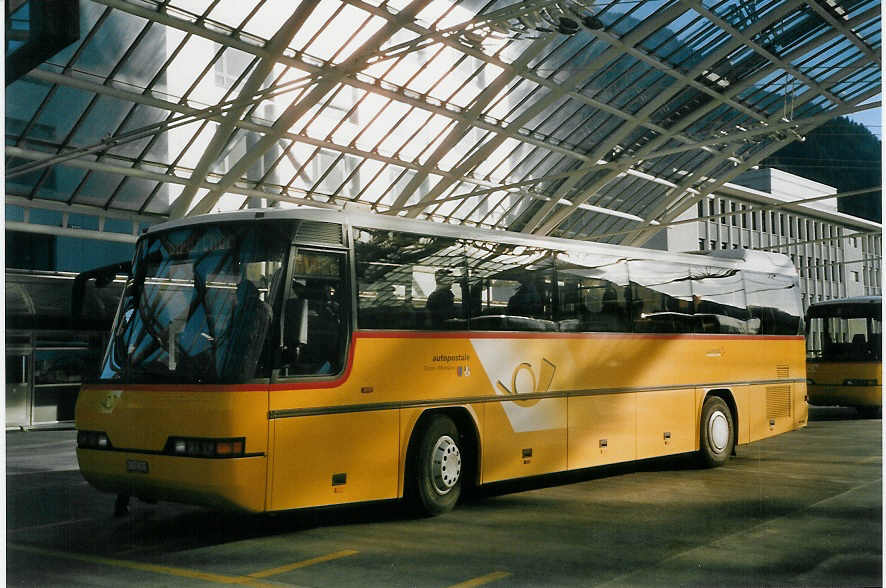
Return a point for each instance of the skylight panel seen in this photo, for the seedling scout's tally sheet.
(453, 81)
(315, 21)
(437, 9)
(179, 138)
(267, 20)
(130, 194)
(231, 12)
(198, 7)
(102, 120)
(430, 71)
(466, 145)
(382, 124)
(519, 108)
(97, 188)
(491, 163)
(108, 43)
(429, 134)
(189, 63)
(385, 192)
(403, 130)
(401, 70)
(299, 159)
(511, 95)
(351, 24)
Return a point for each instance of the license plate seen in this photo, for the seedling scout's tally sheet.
(137, 465)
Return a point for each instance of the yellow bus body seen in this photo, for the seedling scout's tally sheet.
(827, 388)
(538, 403)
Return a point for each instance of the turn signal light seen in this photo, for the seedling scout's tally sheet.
(93, 440)
(191, 447)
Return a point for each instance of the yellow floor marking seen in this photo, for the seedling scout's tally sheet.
(482, 580)
(303, 564)
(145, 567)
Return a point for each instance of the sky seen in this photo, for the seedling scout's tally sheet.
(872, 119)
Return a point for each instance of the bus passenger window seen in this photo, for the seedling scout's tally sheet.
(593, 293)
(511, 287)
(773, 302)
(719, 301)
(408, 281)
(661, 299)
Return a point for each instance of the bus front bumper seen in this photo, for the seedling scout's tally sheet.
(835, 395)
(227, 484)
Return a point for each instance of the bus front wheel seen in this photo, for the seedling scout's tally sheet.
(717, 432)
(436, 478)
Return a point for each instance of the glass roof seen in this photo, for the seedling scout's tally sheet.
(586, 120)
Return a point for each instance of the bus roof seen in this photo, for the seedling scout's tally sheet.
(851, 301)
(763, 261)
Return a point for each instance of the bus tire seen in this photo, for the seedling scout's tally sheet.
(717, 434)
(436, 478)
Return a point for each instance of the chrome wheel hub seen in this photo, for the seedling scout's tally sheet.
(445, 464)
(718, 431)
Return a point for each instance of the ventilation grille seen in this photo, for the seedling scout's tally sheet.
(778, 401)
(319, 232)
(782, 371)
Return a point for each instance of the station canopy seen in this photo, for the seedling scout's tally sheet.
(590, 120)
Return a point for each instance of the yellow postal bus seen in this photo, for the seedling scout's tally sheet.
(271, 360)
(845, 363)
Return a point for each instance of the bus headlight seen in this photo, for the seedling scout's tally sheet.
(859, 382)
(93, 440)
(192, 447)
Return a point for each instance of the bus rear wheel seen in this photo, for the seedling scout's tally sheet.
(436, 477)
(717, 434)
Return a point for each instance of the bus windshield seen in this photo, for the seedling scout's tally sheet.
(198, 305)
(847, 332)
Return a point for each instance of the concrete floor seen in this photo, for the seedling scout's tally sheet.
(800, 509)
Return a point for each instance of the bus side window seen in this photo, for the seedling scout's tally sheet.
(408, 281)
(719, 301)
(510, 288)
(661, 298)
(594, 293)
(774, 300)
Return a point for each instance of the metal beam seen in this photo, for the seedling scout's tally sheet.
(69, 232)
(135, 172)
